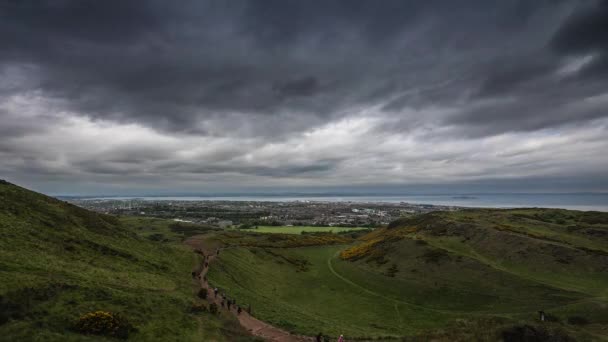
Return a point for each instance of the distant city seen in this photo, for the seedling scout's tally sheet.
(224, 214)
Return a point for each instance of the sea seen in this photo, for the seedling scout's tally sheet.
(574, 201)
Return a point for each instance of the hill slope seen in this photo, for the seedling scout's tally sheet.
(454, 276)
(511, 262)
(58, 262)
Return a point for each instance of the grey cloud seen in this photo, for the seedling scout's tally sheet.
(306, 86)
(175, 67)
(505, 76)
(285, 169)
(585, 32)
(221, 81)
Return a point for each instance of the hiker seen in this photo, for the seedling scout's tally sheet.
(206, 264)
(238, 310)
(542, 315)
(229, 303)
(222, 303)
(319, 337)
(193, 274)
(215, 292)
(205, 279)
(341, 338)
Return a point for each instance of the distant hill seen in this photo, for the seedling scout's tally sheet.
(59, 262)
(495, 261)
(565, 249)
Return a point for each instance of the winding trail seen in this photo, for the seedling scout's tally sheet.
(255, 326)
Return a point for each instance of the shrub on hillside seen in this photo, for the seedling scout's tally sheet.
(577, 320)
(197, 308)
(551, 318)
(435, 256)
(105, 324)
(534, 334)
(392, 271)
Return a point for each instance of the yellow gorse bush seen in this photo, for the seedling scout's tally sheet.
(103, 323)
(370, 247)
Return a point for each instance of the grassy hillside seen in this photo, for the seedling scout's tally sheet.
(464, 275)
(59, 262)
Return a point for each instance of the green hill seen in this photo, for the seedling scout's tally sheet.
(59, 262)
(464, 275)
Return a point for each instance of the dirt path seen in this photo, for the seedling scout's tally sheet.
(253, 325)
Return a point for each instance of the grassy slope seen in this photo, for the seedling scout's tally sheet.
(315, 299)
(58, 261)
(448, 268)
(300, 229)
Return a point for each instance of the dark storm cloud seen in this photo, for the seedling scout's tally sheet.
(586, 33)
(172, 67)
(504, 76)
(583, 32)
(307, 86)
(326, 91)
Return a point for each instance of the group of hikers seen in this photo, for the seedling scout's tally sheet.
(225, 302)
(230, 303)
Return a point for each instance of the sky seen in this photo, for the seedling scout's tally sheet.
(119, 97)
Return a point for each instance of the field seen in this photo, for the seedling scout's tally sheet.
(443, 274)
(300, 229)
(58, 262)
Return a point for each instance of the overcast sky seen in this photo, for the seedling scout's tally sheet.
(102, 97)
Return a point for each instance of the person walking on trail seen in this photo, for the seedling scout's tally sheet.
(341, 338)
(215, 292)
(319, 337)
(238, 310)
(229, 303)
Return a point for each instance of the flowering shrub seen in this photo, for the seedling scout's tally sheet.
(362, 250)
(104, 323)
(375, 244)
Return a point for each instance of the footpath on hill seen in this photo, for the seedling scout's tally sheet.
(255, 326)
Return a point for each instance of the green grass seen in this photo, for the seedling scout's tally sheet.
(58, 261)
(443, 275)
(339, 297)
(157, 229)
(300, 229)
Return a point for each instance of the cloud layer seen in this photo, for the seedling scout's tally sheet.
(210, 95)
